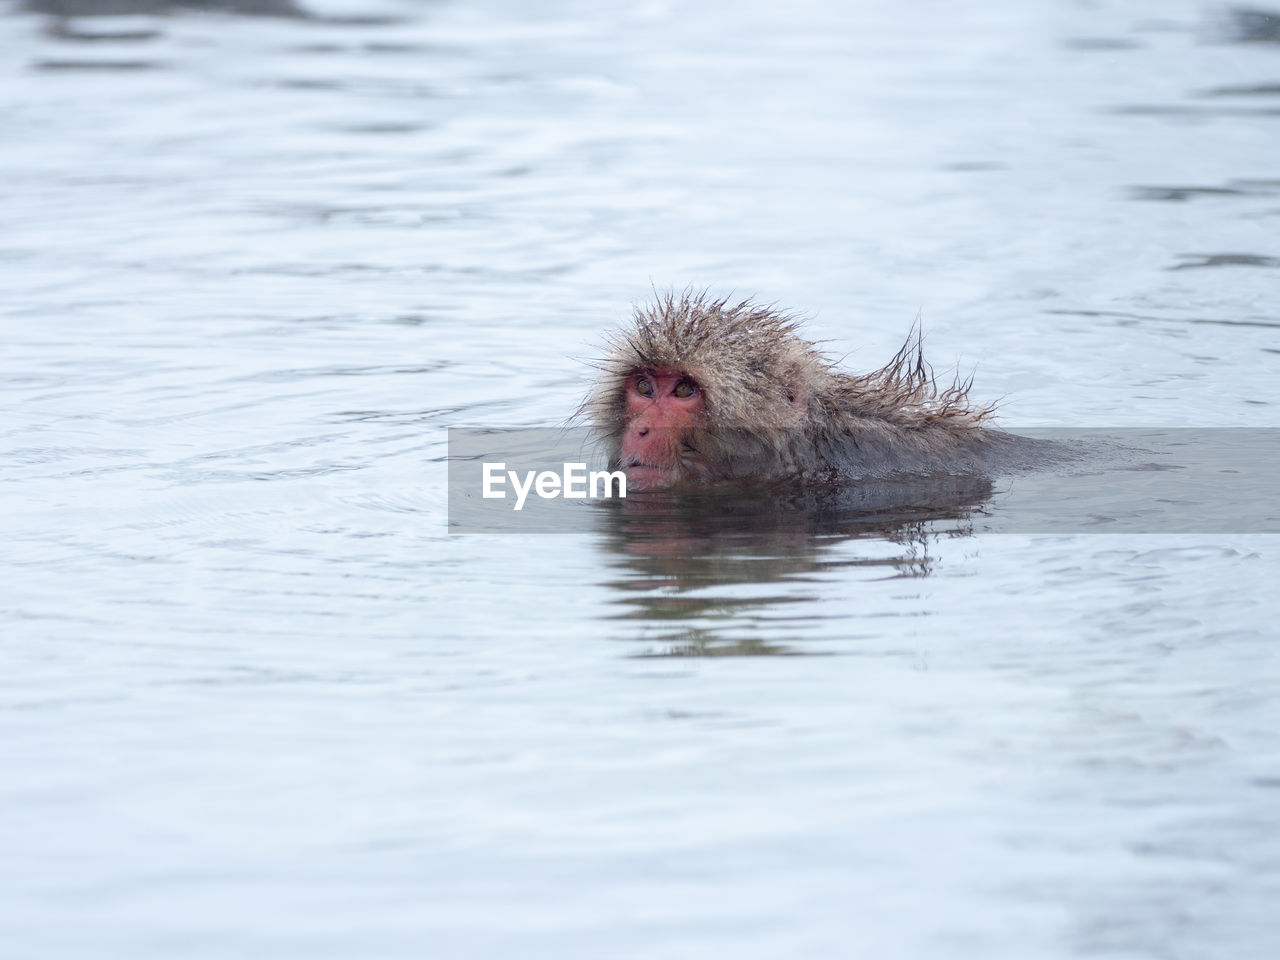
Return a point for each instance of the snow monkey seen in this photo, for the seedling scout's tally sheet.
(700, 391)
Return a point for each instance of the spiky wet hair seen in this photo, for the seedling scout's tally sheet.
(747, 359)
(753, 368)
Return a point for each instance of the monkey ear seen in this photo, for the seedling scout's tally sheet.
(797, 404)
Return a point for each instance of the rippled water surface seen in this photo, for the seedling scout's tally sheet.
(256, 701)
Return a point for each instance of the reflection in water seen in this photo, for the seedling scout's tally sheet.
(1235, 188)
(1251, 25)
(115, 8)
(1196, 261)
(70, 11)
(686, 563)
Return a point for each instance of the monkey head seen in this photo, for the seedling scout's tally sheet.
(698, 390)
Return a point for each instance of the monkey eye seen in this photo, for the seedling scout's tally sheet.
(685, 389)
(644, 387)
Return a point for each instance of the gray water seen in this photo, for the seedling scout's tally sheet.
(255, 700)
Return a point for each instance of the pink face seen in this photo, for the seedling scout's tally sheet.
(661, 405)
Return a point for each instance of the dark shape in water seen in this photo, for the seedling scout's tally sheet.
(676, 561)
(1244, 90)
(1198, 261)
(96, 66)
(117, 8)
(1252, 25)
(1179, 194)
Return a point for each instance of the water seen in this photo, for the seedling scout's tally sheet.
(257, 701)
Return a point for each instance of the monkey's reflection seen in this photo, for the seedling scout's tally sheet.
(670, 552)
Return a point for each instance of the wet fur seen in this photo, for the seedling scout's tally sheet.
(776, 407)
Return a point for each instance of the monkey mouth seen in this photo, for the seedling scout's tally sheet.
(643, 475)
(644, 467)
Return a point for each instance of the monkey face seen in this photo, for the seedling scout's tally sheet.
(660, 407)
